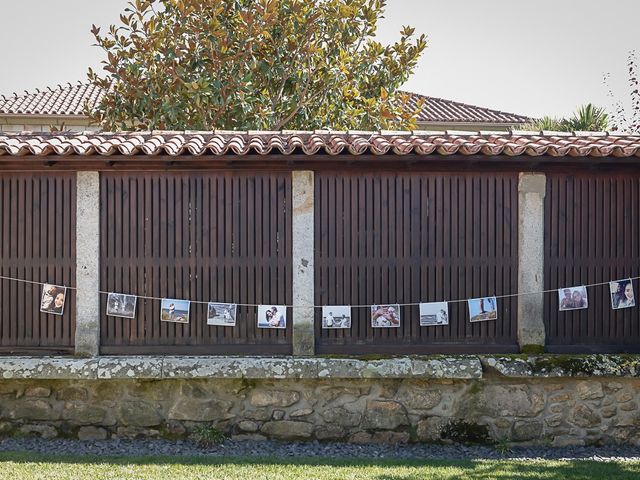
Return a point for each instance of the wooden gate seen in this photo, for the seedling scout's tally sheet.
(222, 237)
(592, 235)
(412, 237)
(37, 218)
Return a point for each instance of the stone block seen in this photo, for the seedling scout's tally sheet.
(276, 398)
(329, 432)
(585, 417)
(32, 410)
(88, 413)
(42, 392)
(288, 430)
(43, 431)
(415, 396)
(92, 433)
(567, 441)
(198, 410)
(248, 426)
(510, 401)
(303, 412)
(390, 438)
(527, 430)
(341, 416)
(138, 414)
(384, 415)
(428, 429)
(74, 394)
(259, 414)
(589, 390)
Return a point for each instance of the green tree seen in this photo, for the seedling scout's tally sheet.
(587, 118)
(254, 64)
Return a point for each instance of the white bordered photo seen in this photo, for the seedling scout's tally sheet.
(572, 298)
(434, 313)
(221, 314)
(172, 310)
(53, 299)
(121, 305)
(622, 295)
(385, 316)
(336, 316)
(272, 316)
(483, 309)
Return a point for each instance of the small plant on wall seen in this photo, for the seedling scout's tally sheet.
(207, 436)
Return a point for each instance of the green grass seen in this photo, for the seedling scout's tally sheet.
(31, 466)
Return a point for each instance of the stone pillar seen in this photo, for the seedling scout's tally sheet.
(531, 192)
(303, 255)
(87, 264)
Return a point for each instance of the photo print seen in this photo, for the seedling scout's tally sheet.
(435, 313)
(483, 309)
(272, 316)
(221, 314)
(622, 294)
(336, 316)
(53, 298)
(172, 310)
(121, 305)
(385, 316)
(572, 298)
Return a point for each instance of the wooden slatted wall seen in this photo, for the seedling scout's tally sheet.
(415, 237)
(592, 235)
(37, 222)
(200, 236)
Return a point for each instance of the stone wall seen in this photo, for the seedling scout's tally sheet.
(557, 411)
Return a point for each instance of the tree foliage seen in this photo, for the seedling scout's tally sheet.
(627, 118)
(254, 64)
(587, 118)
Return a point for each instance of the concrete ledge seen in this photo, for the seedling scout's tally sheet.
(53, 368)
(139, 367)
(463, 367)
(547, 366)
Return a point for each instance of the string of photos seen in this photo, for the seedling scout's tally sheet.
(333, 316)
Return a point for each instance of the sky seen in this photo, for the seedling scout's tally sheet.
(543, 57)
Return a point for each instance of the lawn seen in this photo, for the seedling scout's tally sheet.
(28, 465)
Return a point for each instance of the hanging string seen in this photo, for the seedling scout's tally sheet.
(35, 283)
(408, 304)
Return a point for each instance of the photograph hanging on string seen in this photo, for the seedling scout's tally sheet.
(172, 310)
(385, 316)
(483, 309)
(572, 298)
(336, 316)
(622, 294)
(434, 313)
(53, 299)
(121, 305)
(221, 314)
(272, 316)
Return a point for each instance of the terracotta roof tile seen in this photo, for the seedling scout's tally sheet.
(265, 143)
(439, 110)
(61, 100)
(71, 100)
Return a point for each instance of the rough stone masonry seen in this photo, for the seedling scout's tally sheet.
(541, 400)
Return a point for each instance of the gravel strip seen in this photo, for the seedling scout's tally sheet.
(247, 448)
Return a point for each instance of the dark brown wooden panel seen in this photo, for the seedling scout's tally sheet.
(222, 237)
(592, 232)
(37, 223)
(412, 237)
